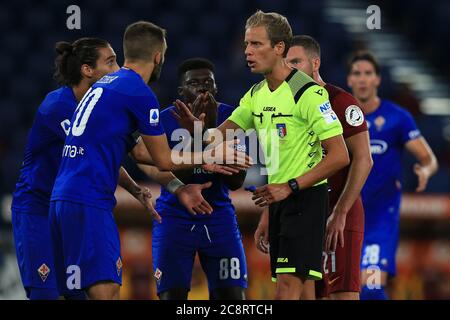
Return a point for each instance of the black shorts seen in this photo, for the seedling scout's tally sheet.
(296, 233)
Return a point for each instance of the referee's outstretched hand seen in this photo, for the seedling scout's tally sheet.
(270, 193)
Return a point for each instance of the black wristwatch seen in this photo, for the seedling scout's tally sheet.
(293, 184)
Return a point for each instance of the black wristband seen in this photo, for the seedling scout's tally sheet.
(293, 184)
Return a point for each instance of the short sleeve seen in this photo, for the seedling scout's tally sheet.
(242, 115)
(409, 130)
(349, 114)
(146, 111)
(132, 140)
(316, 109)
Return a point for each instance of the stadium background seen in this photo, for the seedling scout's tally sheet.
(415, 72)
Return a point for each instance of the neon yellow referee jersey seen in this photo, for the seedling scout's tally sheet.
(290, 122)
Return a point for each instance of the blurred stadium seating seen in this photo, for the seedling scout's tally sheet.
(214, 29)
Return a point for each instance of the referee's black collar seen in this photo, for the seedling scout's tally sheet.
(289, 77)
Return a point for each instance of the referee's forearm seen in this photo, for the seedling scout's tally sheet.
(336, 158)
(324, 169)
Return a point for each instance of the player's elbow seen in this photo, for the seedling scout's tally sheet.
(365, 160)
(141, 155)
(342, 159)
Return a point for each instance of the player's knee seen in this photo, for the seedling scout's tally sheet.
(288, 286)
(42, 294)
(228, 293)
(174, 294)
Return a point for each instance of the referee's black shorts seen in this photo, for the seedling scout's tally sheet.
(296, 233)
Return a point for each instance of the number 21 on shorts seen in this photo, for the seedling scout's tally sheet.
(332, 257)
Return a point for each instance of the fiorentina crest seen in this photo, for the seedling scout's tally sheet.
(119, 266)
(281, 128)
(43, 271)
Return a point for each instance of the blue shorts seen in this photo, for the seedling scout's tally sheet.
(219, 246)
(34, 250)
(86, 245)
(381, 239)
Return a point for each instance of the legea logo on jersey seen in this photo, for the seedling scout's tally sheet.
(154, 116)
(378, 146)
(327, 112)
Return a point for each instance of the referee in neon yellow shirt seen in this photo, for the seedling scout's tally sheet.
(294, 121)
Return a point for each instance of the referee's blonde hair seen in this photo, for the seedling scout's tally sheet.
(277, 27)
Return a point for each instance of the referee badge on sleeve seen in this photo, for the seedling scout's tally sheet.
(154, 116)
(354, 116)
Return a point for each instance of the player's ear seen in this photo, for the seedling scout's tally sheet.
(348, 81)
(378, 80)
(280, 47)
(215, 90)
(158, 58)
(316, 64)
(87, 71)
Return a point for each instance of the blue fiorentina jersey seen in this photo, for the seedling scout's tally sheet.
(116, 106)
(390, 128)
(216, 195)
(43, 152)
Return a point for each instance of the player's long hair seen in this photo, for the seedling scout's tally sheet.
(71, 56)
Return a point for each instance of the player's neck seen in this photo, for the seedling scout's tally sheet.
(278, 74)
(317, 78)
(80, 89)
(371, 104)
(141, 68)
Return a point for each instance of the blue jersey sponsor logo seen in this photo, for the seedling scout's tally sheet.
(378, 146)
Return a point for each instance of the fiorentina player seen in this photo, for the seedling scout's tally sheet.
(392, 130)
(84, 234)
(78, 66)
(216, 237)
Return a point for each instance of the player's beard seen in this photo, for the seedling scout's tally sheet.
(156, 73)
